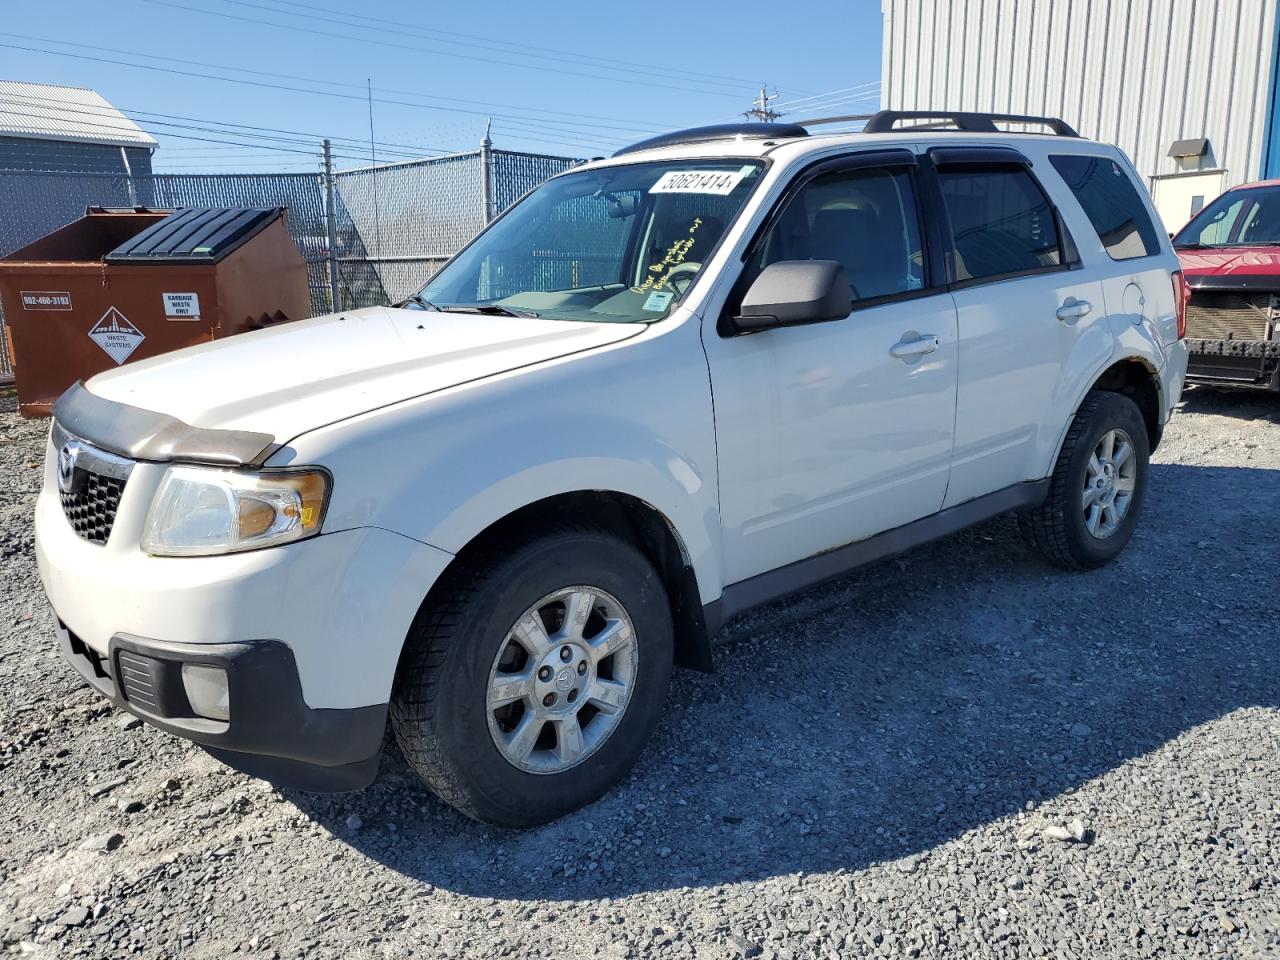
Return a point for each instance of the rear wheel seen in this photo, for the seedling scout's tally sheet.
(1097, 488)
(531, 685)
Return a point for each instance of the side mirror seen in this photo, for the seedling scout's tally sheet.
(796, 292)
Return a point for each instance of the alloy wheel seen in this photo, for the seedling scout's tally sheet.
(1110, 479)
(561, 680)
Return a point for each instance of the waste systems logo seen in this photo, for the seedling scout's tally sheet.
(116, 335)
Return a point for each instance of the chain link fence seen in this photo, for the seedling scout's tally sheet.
(411, 217)
(394, 224)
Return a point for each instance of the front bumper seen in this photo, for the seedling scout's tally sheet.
(1239, 363)
(272, 733)
(309, 698)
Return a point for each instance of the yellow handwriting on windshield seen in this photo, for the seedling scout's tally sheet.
(660, 272)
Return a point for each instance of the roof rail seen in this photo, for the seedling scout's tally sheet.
(719, 131)
(885, 120)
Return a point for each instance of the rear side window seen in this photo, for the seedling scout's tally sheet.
(1001, 222)
(1111, 203)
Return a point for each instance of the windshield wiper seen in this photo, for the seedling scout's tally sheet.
(424, 304)
(488, 309)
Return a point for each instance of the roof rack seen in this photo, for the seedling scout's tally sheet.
(885, 121)
(719, 131)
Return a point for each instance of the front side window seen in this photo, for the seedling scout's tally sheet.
(619, 244)
(1111, 203)
(1238, 218)
(866, 219)
(1002, 223)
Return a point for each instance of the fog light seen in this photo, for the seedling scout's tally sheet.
(206, 688)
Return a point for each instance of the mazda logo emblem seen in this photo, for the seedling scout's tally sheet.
(67, 465)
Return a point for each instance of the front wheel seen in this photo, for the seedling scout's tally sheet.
(1097, 488)
(530, 686)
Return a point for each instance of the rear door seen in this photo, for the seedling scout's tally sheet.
(1024, 309)
(1133, 263)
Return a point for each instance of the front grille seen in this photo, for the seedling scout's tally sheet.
(90, 484)
(1215, 315)
(91, 506)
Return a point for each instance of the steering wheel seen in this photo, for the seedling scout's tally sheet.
(682, 273)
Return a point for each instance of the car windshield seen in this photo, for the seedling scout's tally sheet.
(620, 244)
(1239, 218)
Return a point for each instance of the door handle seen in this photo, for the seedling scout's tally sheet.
(911, 349)
(1073, 309)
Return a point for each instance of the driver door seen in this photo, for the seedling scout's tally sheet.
(834, 432)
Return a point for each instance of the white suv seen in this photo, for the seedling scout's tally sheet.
(718, 367)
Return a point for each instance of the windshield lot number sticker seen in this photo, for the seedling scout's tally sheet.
(116, 335)
(717, 182)
(182, 306)
(46, 300)
(658, 301)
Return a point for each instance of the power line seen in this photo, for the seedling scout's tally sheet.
(248, 130)
(493, 43)
(505, 48)
(831, 93)
(811, 109)
(115, 128)
(252, 83)
(150, 57)
(354, 149)
(420, 49)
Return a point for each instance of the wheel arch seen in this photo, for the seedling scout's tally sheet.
(1136, 378)
(632, 520)
(1132, 376)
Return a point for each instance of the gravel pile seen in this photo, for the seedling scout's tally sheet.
(958, 752)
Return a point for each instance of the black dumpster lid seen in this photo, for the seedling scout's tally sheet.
(195, 235)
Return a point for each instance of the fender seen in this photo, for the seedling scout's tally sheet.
(631, 418)
(1127, 348)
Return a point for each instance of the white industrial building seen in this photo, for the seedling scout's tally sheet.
(1187, 88)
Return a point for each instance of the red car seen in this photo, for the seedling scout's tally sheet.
(1230, 254)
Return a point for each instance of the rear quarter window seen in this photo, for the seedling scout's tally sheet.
(1112, 204)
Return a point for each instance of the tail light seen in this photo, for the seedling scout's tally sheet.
(1181, 294)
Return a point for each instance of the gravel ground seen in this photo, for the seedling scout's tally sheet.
(957, 752)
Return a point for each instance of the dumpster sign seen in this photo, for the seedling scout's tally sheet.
(46, 300)
(116, 335)
(182, 306)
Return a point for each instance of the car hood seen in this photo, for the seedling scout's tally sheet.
(296, 377)
(1231, 262)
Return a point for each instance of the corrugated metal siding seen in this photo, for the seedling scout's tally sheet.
(48, 112)
(1137, 73)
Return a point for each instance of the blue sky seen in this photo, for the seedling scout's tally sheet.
(574, 78)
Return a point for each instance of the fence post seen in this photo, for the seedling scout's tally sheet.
(486, 176)
(128, 178)
(331, 227)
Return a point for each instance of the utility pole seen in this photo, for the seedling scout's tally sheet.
(331, 227)
(760, 109)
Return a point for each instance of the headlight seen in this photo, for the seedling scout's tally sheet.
(199, 511)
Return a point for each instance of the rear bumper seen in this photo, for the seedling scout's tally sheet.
(272, 732)
(1237, 363)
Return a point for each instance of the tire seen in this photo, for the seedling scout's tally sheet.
(467, 641)
(1059, 529)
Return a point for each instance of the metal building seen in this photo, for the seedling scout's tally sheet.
(68, 129)
(1187, 88)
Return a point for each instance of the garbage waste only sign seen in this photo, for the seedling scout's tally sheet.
(116, 335)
